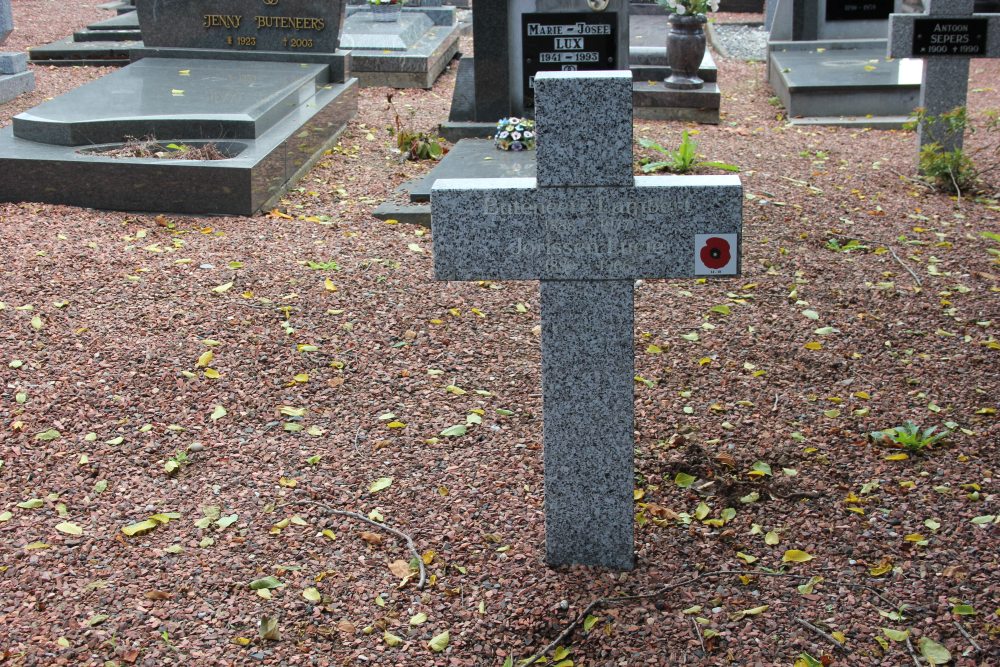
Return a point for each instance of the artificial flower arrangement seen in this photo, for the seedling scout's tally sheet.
(690, 7)
(386, 2)
(515, 134)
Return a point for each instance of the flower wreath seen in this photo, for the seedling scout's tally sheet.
(515, 134)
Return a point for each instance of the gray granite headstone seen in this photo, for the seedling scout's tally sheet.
(587, 228)
(945, 37)
(6, 21)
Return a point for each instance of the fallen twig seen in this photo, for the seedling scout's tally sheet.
(381, 526)
(968, 637)
(913, 654)
(701, 640)
(610, 601)
(899, 261)
(830, 638)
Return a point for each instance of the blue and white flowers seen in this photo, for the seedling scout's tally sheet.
(515, 134)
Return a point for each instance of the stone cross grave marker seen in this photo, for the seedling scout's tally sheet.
(587, 228)
(945, 37)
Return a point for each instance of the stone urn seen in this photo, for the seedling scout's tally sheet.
(386, 13)
(685, 51)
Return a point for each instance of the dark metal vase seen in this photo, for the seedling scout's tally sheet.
(685, 51)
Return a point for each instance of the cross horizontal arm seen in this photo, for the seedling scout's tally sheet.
(506, 229)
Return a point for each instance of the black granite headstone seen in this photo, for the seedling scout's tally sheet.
(489, 25)
(858, 10)
(567, 42)
(296, 26)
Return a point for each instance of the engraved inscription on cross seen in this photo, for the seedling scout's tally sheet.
(945, 37)
(587, 228)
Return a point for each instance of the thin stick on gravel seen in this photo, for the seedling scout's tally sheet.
(701, 640)
(830, 638)
(913, 654)
(381, 526)
(968, 637)
(899, 261)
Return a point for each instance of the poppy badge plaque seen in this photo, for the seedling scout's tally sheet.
(716, 254)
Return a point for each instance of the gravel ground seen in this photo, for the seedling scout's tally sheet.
(741, 41)
(336, 361)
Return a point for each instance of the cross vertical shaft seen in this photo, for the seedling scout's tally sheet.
(588, 397)
(588, 404)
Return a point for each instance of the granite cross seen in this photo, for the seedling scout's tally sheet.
(945, 37)
(587, 228)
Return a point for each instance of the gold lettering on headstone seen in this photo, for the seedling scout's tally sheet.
(231, 21)
(290, 23)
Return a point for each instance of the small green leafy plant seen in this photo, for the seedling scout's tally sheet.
(910, 437)
(680, 161)
(851, 245)
(414, 145)
(176, 462)
(957, 170)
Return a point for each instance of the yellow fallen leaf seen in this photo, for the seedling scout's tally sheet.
(69, 528)
(329, 286)
(814, 345)
(140, 528)
(205, 359)
(795, 556)
(223, 288)
(897, 457)
(212, 374)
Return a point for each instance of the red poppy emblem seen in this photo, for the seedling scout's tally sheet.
(715, 254)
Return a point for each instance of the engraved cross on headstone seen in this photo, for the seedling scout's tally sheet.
(587, 229)
(945, 37)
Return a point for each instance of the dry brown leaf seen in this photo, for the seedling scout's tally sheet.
(726, 459)
(346, 627)
(400, 568)
(371, 538)
(660, 512)
(158, 595)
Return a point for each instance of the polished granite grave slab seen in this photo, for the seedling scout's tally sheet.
(215, 99)
(474, 158)
(831, 82)
(408, 53)
(102, 43)
(272, 119)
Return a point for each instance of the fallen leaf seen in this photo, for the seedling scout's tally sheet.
(268, 629)
(69, 528)
(158, 595)
(934, 653)
(440, 642)
(400, 568)
(795, 556)
(380, 484)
